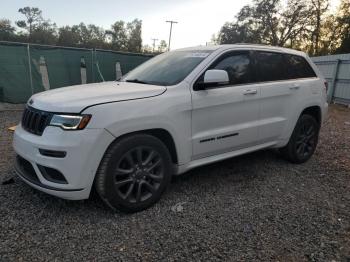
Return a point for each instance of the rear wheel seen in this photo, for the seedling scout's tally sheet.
(134, 173)
(303, 141)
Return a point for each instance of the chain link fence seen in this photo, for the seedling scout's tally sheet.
(336, 69)
(26, 69)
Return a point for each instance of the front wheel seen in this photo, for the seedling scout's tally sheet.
(303, 141)
(134, 173)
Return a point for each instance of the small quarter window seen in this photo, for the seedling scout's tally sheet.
(298, 67)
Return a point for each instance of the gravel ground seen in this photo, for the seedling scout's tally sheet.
(253, 207)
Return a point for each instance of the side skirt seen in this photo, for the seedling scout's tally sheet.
(212, 159)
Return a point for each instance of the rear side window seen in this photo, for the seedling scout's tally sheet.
(238, 67)
(271, 66)
(298, 67)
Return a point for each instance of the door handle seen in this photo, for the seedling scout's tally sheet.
(294, 87)
(250, 92)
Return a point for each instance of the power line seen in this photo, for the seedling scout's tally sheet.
(171, 28)
(154, 42)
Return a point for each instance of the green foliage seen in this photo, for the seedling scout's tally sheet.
(266, 22)
(162, 46)
(305, 25)
(343, 24)
(7, 31)
(44, 33)
(69, 36)
(92, 36)
(33, 18)
(118, 36)
(133, 30)
(35, 29)
(126, 37)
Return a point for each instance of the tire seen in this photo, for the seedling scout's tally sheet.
(303, 141)
(134, 173)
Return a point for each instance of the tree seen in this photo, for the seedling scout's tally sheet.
(343, 22)
(134, 30)
(7, 32)
(33, 18)
(92, 36)
(69, 36)
(266, 22)
(294, 23)
(39, 30)
(162, 47)
(44, 33)
(317, 10)
(126, 37)
(118, 36)
(330, 36)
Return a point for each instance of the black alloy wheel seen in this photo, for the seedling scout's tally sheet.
(303, 141)
(134, 173)
(138, 174)
(306, 140)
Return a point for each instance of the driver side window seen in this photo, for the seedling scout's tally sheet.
(237, 65)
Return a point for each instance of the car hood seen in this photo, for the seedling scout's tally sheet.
(74, 99)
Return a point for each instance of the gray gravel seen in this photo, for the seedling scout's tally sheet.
(254, 207)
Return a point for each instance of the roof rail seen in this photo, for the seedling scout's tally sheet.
(253, 44)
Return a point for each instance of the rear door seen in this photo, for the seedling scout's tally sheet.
(225, 118)
(282, 88)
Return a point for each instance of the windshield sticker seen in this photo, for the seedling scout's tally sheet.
(200, 55)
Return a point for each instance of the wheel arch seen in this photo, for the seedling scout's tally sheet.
(315, 111)
(312, 109)
(160, 133)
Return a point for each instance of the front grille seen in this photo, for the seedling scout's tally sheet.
(35, 121)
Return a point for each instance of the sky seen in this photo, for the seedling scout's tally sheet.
(197, 20)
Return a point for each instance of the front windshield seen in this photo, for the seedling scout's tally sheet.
(167, 69)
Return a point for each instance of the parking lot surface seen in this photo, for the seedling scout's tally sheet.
(253, 207)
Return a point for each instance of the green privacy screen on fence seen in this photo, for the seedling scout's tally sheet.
(63, 65)
(106, 61)
(15, 77)
(28, 69)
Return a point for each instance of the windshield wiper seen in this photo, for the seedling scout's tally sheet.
(137, 81)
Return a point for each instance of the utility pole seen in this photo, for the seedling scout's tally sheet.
(171, 28)
(154, 42)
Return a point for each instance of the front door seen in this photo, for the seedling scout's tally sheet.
(226, 118)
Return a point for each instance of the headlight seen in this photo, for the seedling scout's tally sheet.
(70, 122)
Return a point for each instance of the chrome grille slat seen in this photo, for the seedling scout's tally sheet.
(35, 121)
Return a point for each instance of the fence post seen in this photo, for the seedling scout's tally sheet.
(92, 66)
(334, 80)
(30, 69)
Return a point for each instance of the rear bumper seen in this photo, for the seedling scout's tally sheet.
(84, 150)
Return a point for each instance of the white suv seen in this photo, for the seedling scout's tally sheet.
(175, 112)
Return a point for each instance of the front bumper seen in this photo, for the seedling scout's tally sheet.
(84, 151)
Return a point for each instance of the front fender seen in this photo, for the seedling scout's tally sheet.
(171, 113)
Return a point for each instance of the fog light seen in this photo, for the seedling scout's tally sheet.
(52, 175)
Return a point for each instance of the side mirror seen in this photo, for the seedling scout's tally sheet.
(213, 78)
